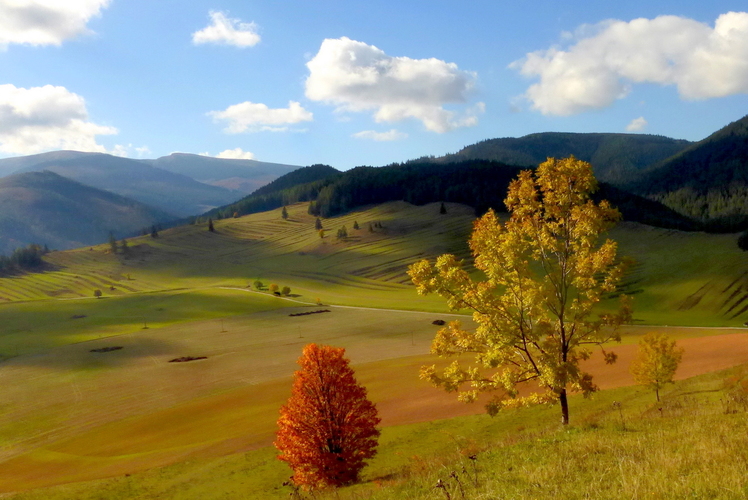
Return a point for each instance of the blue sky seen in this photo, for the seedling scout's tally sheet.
(352, 83)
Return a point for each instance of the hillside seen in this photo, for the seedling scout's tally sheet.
(478, 183)
(45, 208)
(175, 194)
(707, 181)
(616, 158)
(302, 184)
(244, 176)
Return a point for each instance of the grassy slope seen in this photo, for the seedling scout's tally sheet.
(680, 278)
(69, 415)
(690, 449)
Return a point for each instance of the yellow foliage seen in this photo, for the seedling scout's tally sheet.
(656, 361)
(544, 273)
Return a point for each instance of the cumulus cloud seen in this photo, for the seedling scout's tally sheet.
(256, 117)
(236, 154)
(358, 77)
(606, 59)
(391, 135)
(44, 118)
(226, 31)
(45, 22)
(637, 125)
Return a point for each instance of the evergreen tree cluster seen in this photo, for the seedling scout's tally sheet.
(25, 258)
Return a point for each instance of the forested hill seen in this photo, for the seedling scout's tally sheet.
(616, 158)
(481, 184)
(302, 184)
(708, 181)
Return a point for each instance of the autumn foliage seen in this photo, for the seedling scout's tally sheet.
(545, 272)
(327, 429)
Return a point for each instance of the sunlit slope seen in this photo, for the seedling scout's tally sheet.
(266, 247)
(679, 277)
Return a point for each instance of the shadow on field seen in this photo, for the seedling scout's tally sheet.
(80, 356)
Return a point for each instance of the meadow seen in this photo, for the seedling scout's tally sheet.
(127, 423)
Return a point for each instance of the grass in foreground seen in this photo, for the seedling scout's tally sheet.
(695, 446)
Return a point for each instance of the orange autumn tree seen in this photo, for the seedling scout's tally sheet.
(327, 429)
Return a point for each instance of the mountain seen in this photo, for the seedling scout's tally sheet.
(172, 193)
(245, 176)
(616, 158)
(707, 181)
(46, 208)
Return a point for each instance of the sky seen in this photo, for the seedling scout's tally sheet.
(349, 83)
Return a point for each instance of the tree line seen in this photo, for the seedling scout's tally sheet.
(24, 258)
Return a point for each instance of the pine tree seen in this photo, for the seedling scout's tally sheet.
(210, 226)
(317, 224)
(355, 225)
(284, 213)
(327, 429)
(442, 209)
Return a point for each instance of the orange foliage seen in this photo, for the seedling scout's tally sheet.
(327, 429)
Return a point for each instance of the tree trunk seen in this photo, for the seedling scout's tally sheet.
(657, 393)
(564, 407)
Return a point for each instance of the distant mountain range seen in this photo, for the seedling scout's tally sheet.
(179, 184)
(245, 176)
(655, 180)
(46, 208)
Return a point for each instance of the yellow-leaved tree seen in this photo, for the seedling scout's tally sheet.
(544, 273)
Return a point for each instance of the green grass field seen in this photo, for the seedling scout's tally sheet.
(129, 424)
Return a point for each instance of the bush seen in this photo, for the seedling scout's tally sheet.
(285, 290)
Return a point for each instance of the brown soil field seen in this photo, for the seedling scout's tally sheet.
(102, 415)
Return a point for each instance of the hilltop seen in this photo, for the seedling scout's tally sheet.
(615, 158)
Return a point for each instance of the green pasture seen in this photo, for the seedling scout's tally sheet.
(678, 278)
(201, 429)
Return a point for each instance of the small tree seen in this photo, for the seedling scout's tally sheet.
(342, 233)
(656, 362)
(273, 288)
(545, 273)
(210, 226)
(355, 225)
(317, 224)
(125, 247)
(154, 232)
(284, 213)
(112, 243)
(321, 233)
(236, 215)
(442, 209)
(327, 429)
(285, 291)
(97, 293)
(258, 285)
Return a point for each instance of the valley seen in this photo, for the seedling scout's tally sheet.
(72, 416)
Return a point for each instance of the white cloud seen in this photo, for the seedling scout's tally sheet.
(127, 151)
(227, 31)
(256, 117)
(236, 154)
(392, 135)
(45, 118)
(358, 77)
(45, 22)
(637, 125)
(607, 58)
